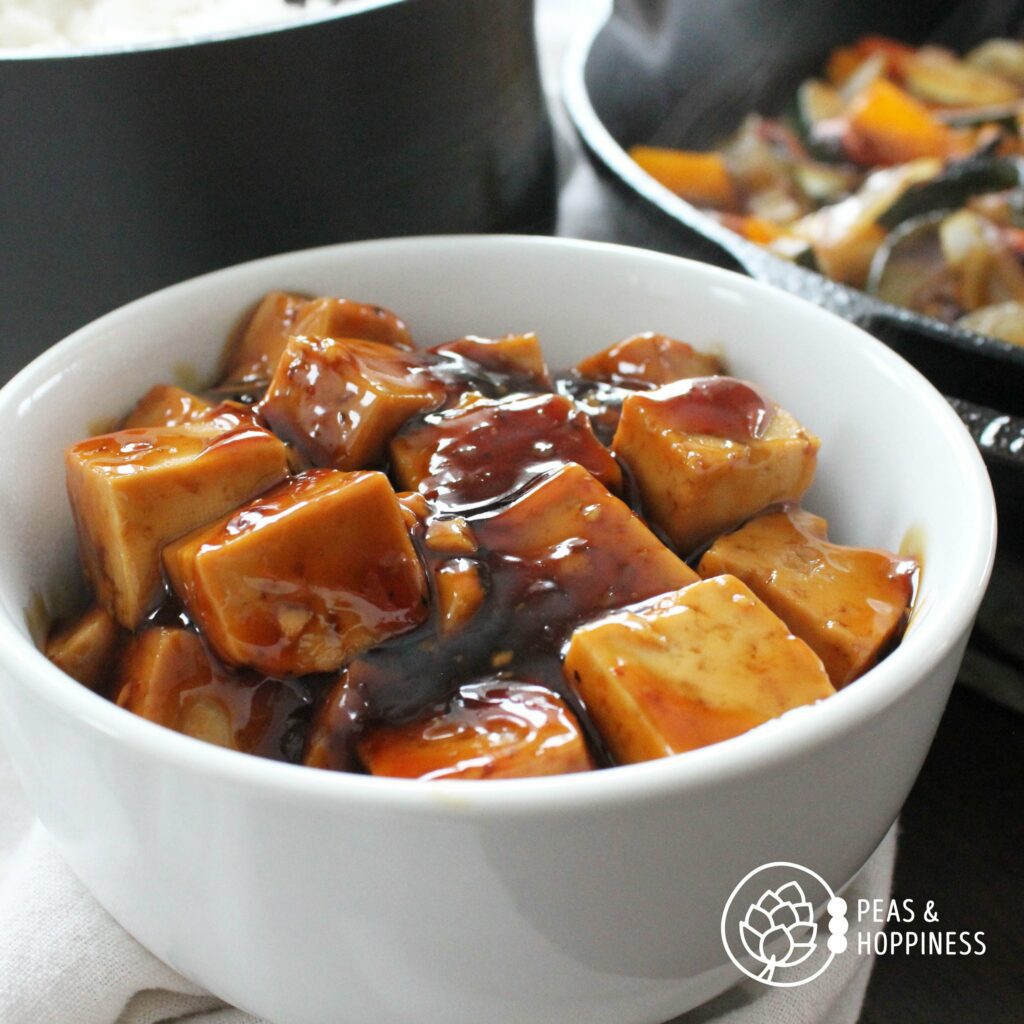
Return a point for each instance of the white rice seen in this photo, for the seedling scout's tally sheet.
(96, 24)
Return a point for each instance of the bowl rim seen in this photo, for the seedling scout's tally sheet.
(345, 9)
(799, 731)
(597, 139)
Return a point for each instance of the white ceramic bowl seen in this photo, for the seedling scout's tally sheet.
(317, 898)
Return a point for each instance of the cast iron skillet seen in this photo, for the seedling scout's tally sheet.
(122, 172)
(685, 72)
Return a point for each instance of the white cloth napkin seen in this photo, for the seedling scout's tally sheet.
(64, 960)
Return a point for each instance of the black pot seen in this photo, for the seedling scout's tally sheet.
(121, 172)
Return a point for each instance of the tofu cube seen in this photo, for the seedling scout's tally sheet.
(252, 357)
(460, 593)
(88, 648)
(415, 509)
(572, 549)
(305, 577)
(280, 315)
(450, 535)
(498, 729)
(474, 454)
(340, 401)
(688, 669)
(133, 491)
(709, 453)
(848, 604)
(648, 359)
(169, 677)
(342, 318)
(166, 406)
(516, 356)
(336, 724)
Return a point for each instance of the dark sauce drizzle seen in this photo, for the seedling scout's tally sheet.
(518, 634)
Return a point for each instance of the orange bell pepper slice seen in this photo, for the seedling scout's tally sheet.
(889, 126)
(754, 229)
(700, 178)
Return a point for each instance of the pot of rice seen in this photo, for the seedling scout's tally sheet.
(146, 141)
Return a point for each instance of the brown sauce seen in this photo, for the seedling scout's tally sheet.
(716, 406)
(472, 456)
(484, 466)
(599, 400)
(539, 586)
(530, 607)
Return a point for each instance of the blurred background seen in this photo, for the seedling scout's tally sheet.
(123, 171)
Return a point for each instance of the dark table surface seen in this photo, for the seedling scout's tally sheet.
(960, 845)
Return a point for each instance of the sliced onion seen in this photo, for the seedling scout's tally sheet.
(965, 232)
(818, 101)
(824, 183)
(1005, 321)
(836, 225)
(966, 117)
(1003, 57)
(871, 68)
(937, 76)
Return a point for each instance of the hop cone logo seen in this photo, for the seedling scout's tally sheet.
(782, 919)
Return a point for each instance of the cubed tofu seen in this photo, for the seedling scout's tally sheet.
(516, 356)
(709, 453)
(342, 318)
(414, 507)
(451, 535)
(252, 357)
(496, 729)
(474, 454)
(690, 668)
(230, 415)
(280, 315)
(648, 359)
(133, 491)
(330, 741)
(166, 406)
(848, 604)
(574, 549)
(87, 649)
(460, 593)
(560, 552)
(169, 677)
(305, 577)
(340, 401)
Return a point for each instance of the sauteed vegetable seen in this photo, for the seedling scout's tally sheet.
(899, 172)
(449, 563)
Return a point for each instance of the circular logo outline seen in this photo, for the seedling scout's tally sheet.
(725, 914)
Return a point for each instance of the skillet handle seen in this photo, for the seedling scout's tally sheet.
(999, 436)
